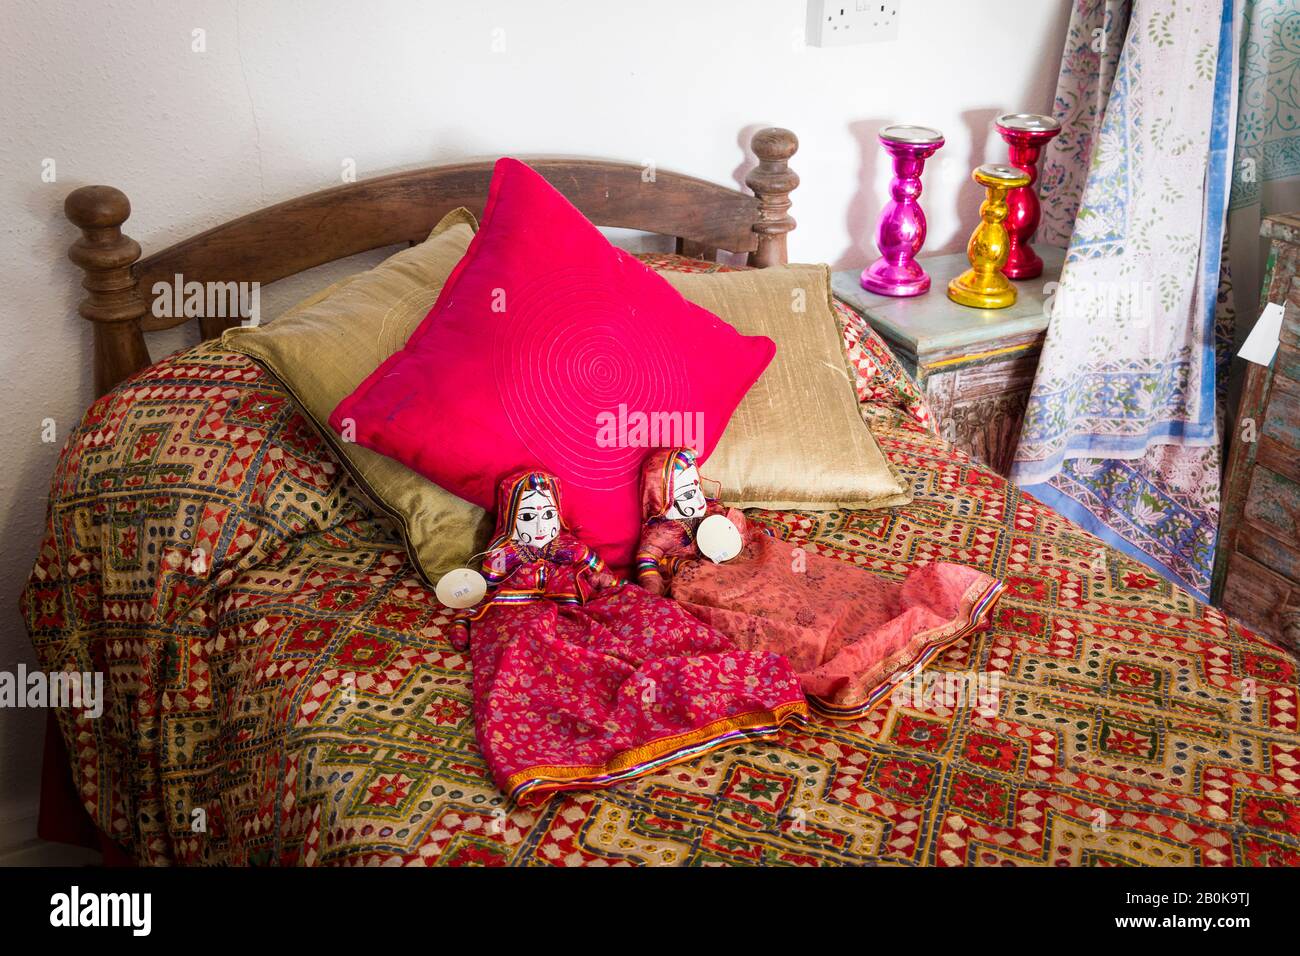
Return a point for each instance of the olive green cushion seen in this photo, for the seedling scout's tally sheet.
(322, 348)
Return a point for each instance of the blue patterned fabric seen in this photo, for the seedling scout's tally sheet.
(1268, 115)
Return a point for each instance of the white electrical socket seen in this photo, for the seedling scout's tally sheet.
(846, 22)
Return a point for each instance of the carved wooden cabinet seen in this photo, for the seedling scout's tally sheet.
(976, 366)
(1257, 571)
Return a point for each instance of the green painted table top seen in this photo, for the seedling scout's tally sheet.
(930, 323)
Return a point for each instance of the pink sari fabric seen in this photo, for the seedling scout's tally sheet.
(581, 681)
(851, 636)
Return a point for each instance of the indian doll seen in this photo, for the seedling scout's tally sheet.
(580, 680)
(851, 636)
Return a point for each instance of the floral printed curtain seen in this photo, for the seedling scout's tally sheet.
(1122, 429)
(1266, 169)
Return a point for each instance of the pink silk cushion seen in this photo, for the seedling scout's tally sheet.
(544, 349)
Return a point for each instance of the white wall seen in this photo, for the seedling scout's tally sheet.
(113, 93)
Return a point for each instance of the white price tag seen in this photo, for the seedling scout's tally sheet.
(1261, 344)
(718, 539)
(461, 588)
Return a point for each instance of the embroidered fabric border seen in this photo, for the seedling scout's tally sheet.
(537, 783)
(943, 636)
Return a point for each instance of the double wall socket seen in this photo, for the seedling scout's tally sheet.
(846, 22)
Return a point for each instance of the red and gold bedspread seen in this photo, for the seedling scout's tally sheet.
(280, 690)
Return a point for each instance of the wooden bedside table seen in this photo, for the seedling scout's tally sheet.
(975, 366)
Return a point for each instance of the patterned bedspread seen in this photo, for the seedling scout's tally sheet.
(280, 690)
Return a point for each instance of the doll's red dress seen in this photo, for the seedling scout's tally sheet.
(850, 635)
(581, 680)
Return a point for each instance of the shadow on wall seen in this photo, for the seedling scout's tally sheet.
(750, 161)
(22, 730)
(864, 208)
(744, 169)
(980, 124)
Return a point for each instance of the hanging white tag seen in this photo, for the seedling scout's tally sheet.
(1261, 344)
(461, 588)
(718, 538)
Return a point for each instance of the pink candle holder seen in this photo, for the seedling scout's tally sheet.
(1026, 135)
(901, 231)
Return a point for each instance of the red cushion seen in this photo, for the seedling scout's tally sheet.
(542, 331)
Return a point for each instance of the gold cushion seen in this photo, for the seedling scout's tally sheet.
(797, 440)
(322, 348)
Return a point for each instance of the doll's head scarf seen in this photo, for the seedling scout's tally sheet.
(525, 501)
(659, 476)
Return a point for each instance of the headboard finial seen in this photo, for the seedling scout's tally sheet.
(772, 181)
(114, 303)
(97, 207)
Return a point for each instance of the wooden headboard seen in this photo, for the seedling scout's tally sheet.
(302, 233)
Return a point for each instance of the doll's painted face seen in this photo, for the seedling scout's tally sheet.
(688, 499)
(537, 521)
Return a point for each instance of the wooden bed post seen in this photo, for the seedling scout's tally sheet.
(772, 181)
(114, 304)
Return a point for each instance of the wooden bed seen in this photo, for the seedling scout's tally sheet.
(311, 230)
(302, 692)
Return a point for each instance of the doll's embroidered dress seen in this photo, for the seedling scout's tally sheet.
(850, 635)
(581, 680)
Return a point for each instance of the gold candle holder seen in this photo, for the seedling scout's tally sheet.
(983, 286)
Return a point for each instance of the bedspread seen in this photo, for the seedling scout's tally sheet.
(280, 690)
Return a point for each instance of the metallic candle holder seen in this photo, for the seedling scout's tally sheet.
(901, 231)
(1026, 135)
(983, 286)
